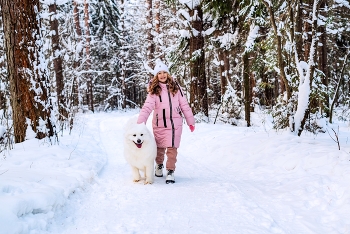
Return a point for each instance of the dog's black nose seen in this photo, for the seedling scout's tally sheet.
(138, 141)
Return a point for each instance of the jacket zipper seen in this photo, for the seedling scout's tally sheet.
(171, 118)
(164, 119)
(157, 120)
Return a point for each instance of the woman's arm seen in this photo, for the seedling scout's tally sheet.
(147, 108)
(185, 108)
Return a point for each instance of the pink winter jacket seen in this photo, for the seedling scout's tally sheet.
(167, 116)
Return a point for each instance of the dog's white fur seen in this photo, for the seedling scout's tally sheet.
(140, 159)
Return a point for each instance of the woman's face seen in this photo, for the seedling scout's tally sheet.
(162, 76)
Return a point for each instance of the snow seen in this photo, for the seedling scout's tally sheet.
(209, 31)
(191, 4)
(304, 89)
(58, 2)
(2, 130)
(253, 34)
(228, 180)
(344, 3)
(185, 14)
(184, 33)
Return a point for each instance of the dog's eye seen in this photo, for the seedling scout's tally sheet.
(141, 134)
(134, 135)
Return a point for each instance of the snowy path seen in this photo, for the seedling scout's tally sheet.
(206, 198)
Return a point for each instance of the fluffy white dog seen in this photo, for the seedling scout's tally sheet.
(140, 150)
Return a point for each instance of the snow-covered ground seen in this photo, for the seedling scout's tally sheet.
(228, 180)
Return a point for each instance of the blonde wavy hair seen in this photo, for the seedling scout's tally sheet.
(154, 87)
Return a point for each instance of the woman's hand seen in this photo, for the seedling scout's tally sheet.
(192, 128)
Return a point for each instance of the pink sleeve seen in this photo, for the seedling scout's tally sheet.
(147, 108)
(185, 108)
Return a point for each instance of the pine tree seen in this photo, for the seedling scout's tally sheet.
(27, 71)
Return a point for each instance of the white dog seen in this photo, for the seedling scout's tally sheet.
(140, 150)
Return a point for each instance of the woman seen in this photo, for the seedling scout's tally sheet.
(170, 105)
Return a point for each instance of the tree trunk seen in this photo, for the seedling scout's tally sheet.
(28, 84)
(123, 57)
(227, 69)
(88, 58)
(224, 69)
(298, 30)
(77, 99)
(303, 109)
(279, 48)
(57, 62)
(246, 84)
(198, 87)
(323, 57)
(150, 46)
(157, 43)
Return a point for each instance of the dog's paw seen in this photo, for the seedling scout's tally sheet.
(136, 181)
(148, 182)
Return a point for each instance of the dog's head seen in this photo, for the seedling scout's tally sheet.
(137, 134)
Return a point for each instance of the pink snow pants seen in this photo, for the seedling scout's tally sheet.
(171, 153)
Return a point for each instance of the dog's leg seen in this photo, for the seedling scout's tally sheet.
(135, 174)
(149, 174)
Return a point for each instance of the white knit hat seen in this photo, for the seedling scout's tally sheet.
(160, 66)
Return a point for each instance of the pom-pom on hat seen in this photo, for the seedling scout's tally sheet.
(160, 66)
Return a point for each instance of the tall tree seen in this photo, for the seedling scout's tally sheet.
(158, 38)
(123, 54)
(105, 54)
(306, 73)
(323, 61)
(198, 89)
(281, 63)
(90, 94)
(150, 42)
(246, 85)
(57, 62)
(77, 97)
(27, 72)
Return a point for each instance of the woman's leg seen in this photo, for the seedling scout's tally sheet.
(171, 161)
(160, 155)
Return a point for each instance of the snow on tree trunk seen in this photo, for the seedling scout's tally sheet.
(158, 40)
(77, 99)
(150, 45)
(57, 62)
(88, 59)
(27, 69)
(123, 56)
(306, 73)
(224, 69)
(198, 89)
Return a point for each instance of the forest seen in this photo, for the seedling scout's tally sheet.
(58, 58)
